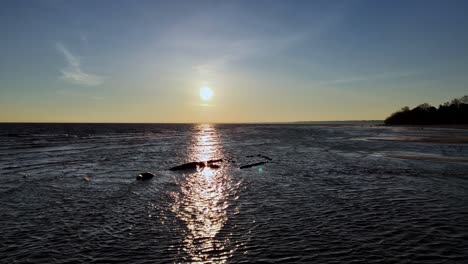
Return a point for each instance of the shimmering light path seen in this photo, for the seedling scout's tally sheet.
(202, 201)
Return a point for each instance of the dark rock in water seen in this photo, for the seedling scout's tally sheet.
(214, 161)
(145, 176)
(253, 165)
(213, 166)
(188, 166)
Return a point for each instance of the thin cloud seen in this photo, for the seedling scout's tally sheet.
(73, 73)
(374, 77)
(247, 48)
(231, 49)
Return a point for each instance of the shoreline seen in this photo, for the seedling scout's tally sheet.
(426, 139)
(461, 126)
(428, 158)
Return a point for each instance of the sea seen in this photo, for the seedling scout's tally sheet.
(316, 193)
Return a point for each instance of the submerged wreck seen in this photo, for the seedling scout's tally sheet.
(198, 164)
(213, 163)
(188, 166)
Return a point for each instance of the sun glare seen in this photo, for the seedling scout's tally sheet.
(206, 93)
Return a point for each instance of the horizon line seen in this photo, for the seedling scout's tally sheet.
(182, 123)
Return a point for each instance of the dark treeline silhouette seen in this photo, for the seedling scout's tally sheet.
(450, 113)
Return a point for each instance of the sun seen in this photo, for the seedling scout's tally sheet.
(206, 93)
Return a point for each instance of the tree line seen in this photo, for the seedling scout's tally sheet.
(450, 113)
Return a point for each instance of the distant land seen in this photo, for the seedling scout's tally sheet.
(342, 122)
(452, 113)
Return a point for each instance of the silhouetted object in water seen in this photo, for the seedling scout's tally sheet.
(213, 166)
(260, 156)
(450, 113)
(214, 161)
(252, 165)
(188, 166)
(145, 176)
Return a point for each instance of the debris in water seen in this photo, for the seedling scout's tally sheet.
(188, 166)
(145, 176)
(252, 165)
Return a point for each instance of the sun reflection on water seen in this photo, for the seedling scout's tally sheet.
(203, 200)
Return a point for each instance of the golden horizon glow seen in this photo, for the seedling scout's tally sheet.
(206, 93)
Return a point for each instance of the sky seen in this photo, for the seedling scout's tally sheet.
(264, 61)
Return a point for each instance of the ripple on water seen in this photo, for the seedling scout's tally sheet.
(324, 198)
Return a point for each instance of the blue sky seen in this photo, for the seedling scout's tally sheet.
(144, 61)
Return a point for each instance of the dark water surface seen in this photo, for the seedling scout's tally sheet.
(331, 194)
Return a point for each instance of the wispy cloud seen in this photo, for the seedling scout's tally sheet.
(234, 51)
(216, 48)
(73, 72)
(372, 77)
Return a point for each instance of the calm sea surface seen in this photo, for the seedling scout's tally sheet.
(331, 194)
